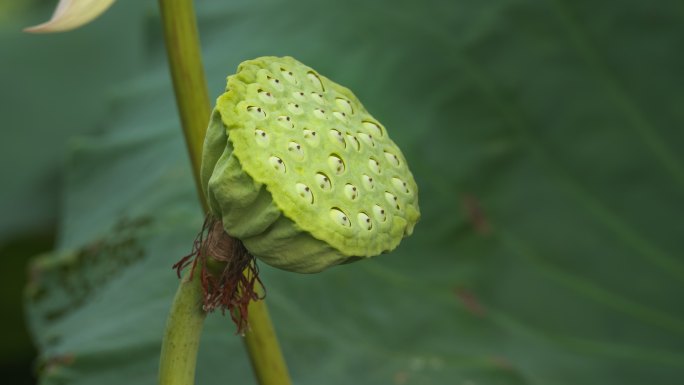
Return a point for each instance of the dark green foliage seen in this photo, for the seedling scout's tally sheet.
(545, 138)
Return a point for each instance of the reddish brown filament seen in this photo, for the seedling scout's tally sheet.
(229, 274)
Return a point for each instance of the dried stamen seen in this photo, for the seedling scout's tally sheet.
(229, 274)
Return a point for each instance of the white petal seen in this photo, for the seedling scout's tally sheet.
(71, 14)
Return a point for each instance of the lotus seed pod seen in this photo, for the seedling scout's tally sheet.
(296, 168)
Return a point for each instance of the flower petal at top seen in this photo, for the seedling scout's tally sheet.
(71, 14)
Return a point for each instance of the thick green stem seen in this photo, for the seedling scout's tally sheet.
(263, 349)
(181, 339)
(182, 336)
(189, 84)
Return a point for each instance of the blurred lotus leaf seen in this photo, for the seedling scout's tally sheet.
(544, 137)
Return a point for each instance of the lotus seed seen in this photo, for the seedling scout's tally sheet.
(275, 83)
(341, 116)
(379, 213)
(305, 192)
(400, 185)
(374, 165)
(289, 76)
(261, 137)
(323, 181)
(373, 128)
(344, 105)
(257, 112)
(294, 108)
(336, 164)
(311, 137)
(338, 138)
(367, 139)
(367, 182)
(351, 191)
(320, 114)
(364, 221)
(296, 149)
(266, 97)
(277, 164)
(299, 96)
(354, 142)
(285, 122)
(318, 98)
(393, 159)
(392, 199)
(340, 217)
(316, 81)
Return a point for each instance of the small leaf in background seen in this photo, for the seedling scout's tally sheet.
(71, 14)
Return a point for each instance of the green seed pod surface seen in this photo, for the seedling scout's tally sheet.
(298, 170)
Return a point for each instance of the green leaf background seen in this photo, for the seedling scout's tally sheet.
(545, 137)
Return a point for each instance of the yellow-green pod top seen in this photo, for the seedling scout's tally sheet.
(296, 168)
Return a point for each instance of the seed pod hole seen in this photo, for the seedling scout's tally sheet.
(323, 181)
(318, 98)
(277, 164)
(295, 108)
(266, 96)
(379, 213)
(275, 83)
(296, 149)
(256, 112)
(354, 142)
(374, 165)
(338, 216)
(261, 137)
(400, 185)
(299, 95)
(289, 76)
(315, 81)
(392, 200)
(344, 105)
(392, 158)
(351, 191)
(364, 221)
(311, 137)
(367, 139)
(336, 164)
(367, 181)
(285, 122)
(341, 116)
(304, 192)
(373, 128)
(337, 137)
(319, 113)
